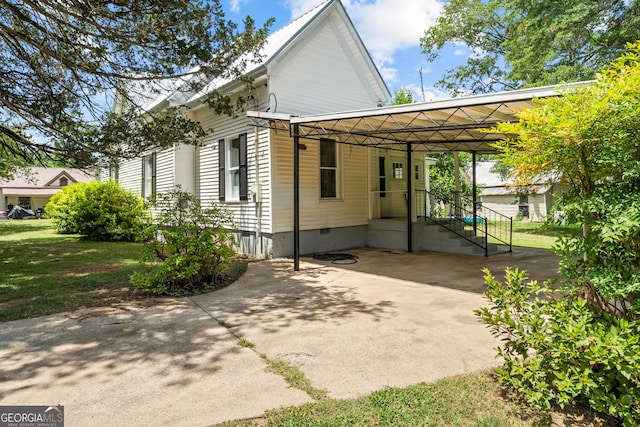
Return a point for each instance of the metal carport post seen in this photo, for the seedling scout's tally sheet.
(296, 197)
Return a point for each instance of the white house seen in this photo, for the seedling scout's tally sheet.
(534, 202)
(315, 64)
(359, 163)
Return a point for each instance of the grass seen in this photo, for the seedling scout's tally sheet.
(540, 235)
(294, 377)
(44, 272)
(246, 343)
(473, 400)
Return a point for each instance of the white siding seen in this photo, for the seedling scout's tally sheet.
(103, 174)
(506, 205)
(184, 167)
(245, 213)
(318, 75)
(130, 175)
(348, 210)
(164, 170)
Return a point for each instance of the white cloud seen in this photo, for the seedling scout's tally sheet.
(389, 74)
(299, 7)
(387, 26)
(235, 5)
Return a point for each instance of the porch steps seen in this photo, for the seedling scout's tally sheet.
(439, 239)
(392, 234)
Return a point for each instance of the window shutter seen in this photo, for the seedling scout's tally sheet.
(153, 174)
(144, 175)
(244, 187)
(221, 156)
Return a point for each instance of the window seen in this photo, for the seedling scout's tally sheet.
(328, 169)
(382, 172)
(398, 170)
(232, 157)
(416, 172)
(114, 172)
(149, 176)
(64, 181)
(24, 202)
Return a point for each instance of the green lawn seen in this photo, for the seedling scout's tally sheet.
(43, 272)
(473, 400)
(540, 235)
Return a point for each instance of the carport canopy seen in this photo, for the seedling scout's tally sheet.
(458, 124)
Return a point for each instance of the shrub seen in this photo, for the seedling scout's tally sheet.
(102, 211)
(187, 246)
(558, 349)
(62, 208)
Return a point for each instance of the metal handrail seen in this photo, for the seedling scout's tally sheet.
(497, 220)
(463, 220)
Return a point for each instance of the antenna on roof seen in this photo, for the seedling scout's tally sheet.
(421, 84)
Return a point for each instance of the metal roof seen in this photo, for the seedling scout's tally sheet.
(458, 124)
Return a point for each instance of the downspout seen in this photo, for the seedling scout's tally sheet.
(257, 186)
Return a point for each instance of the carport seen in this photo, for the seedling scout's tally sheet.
(459, 125)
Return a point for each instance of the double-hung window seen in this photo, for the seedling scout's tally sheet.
(398, 170)
(232, 173)
(329, 173)
(149, 176)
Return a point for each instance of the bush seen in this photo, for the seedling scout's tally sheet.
(558, 349)
(102, 211)
(187, 246)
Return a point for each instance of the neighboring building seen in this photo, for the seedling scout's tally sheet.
(315, 64)
(33, 187)
(535, 202)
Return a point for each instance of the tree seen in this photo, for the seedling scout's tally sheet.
(590, 139)
(401, 96)
(519, 43)
(62, 61)
(579, 341)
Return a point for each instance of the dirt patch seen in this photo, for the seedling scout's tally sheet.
(123, 293)
(5, 305)
(87, 269)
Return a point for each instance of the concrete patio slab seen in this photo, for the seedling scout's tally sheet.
(391, 319)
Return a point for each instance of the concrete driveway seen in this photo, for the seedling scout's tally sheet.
(391, 319)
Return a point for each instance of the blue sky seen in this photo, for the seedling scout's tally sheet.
(391, 30)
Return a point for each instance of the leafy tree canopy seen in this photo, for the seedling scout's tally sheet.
(590, 139)
(62, 62)
(401, 96)
(519, 43)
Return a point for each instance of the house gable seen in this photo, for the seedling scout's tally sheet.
(299, 39)
(328, 55)
(58, 180)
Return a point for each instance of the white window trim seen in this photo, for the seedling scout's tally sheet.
(339, 170)
(230, 194)
(394, 168)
